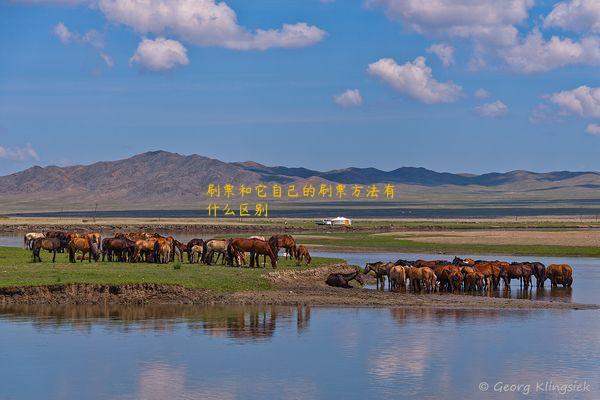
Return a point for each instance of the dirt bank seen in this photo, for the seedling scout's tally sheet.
(291, 288)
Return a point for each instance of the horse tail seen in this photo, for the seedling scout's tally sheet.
(230, 253)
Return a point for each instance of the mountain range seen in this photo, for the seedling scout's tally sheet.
(164, 179)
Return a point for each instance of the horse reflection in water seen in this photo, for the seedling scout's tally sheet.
(236, 322)
(540, 293)
(409, 316)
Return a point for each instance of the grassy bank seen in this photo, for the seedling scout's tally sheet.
(399, 243)
(16, 269)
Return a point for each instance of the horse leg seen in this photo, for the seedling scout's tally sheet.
(54, 256)
(252, 257)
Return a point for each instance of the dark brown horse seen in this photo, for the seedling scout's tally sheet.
(286, 242)
(51, 244)
(122, 248)
(342, 280)
(255, 247)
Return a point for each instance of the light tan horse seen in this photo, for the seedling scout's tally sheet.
(213, 246)
(28, 239)
(85, 245)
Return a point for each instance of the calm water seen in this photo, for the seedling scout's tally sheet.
(175, 352)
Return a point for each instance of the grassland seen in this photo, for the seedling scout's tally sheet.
(410, 244)
(16, 269)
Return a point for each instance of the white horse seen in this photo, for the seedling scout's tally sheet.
(30, 237)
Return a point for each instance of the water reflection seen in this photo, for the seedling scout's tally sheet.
(184, 352)
(237, 322)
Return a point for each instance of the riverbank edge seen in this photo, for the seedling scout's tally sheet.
(156, 294)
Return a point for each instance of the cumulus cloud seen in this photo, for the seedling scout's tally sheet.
(575, 15)
(159, 55)
(495, 109)
(489, 21)
(415, 80)
(482, 94)
(91, 38)
(349, 98)
(535, 54)
(205, 23)
(583, 101)
(19, 153)
(444, 52)
(593, 129)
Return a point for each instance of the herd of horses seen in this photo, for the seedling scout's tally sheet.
(459, 275)
(140, 246)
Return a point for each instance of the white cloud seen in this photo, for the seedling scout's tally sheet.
(160, 54)
(19, 153)
(535, 54)
(349, 98)
(482, 94)
(107, 59)
(205, 23)
(495, 109)
(593, 129)
(92, 38)
(444, 52)
(489, 21)
(63, 33)
(575, 15)
(415, 80)
(582, 101)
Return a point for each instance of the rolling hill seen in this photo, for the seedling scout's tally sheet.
(159, 179)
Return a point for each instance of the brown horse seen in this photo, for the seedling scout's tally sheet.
(144, 250)
(560, 274)
(302, 253)
(255, 247)
(51, 244)
(519, 271)
(123, 248)
(86, 246)
(421, 277)
(163, 249)
(286, 242)
(381, 270)
(443, 274)
(397, 277)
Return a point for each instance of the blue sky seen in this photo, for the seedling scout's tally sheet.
(89, 80)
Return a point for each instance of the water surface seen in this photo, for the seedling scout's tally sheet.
(173, 352)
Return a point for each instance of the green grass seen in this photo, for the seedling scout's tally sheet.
(16, 269)
(366, 241)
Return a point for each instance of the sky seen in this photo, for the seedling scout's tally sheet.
(450, 85)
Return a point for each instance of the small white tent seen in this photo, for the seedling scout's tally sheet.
(341, 221)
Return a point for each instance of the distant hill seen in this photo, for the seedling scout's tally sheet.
(164, 179)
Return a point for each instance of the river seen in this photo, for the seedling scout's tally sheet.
(184, 352)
